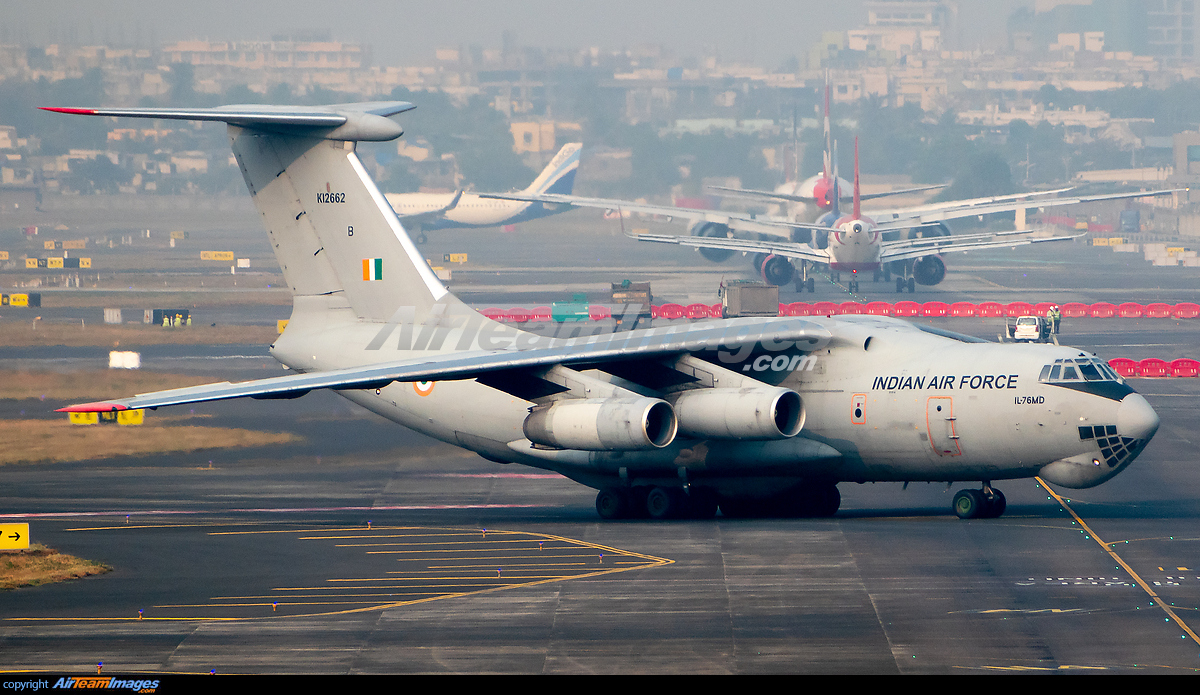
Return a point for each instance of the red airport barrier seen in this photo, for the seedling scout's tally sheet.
(495, 314)
(599, 313)
(1102, 310)
(654, 311)
(1153, 367)
(1018, 309)
(906, 308)
(518, 315)
(1187, 310)
(716, 311)
(1158, 310)
(1074, 310)
(670, 311)
(824, 309)
(697, 311)
(852, 308)
(991, 310)
(1123, 366)
(963, 309)
(541, 314)
(1185, 366)
(935, 309)
(879, 308)
(1130, 310)
(799, 309)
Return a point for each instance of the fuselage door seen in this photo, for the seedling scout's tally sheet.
(939, 418)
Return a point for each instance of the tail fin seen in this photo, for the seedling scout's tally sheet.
(857, 191)
(331, 228)
(559, 175)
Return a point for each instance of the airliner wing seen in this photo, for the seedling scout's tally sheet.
(779, 248)
(429, 215)
(736, 221)
(544, 353)
(787, 197)
(960, 209)
(905, 249)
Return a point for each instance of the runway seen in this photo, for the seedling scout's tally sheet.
(370, 549)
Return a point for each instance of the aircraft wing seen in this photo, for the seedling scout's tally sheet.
(984, 206)
(544, 353)
(787, 197)
(736, 221)
(429, 215)
(779, 248)
(915, 248)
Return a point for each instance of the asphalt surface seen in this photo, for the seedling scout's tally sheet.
(371, 549)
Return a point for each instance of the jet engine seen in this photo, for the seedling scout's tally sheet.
(929, 270)
(776, 270)
(741, 413)
(715, 230)
(603, 424)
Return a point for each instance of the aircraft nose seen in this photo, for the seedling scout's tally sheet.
(1135, 418)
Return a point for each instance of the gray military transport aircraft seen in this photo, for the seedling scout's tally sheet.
(754, 416)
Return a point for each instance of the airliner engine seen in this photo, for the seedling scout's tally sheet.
(603, 424)
(745, 413)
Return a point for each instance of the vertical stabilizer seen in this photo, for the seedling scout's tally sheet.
(331, 228)
(559, 175)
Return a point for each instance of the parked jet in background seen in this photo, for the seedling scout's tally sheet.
(906, 241)
(805, 200)
(423, 212)
(756, 416)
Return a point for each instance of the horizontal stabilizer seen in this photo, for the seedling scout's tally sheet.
(362, 121)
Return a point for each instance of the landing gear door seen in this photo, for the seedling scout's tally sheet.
(943, 433)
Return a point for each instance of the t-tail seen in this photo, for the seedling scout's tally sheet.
(559, 175)
(339, 244)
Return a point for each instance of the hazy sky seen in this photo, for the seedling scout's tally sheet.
(404, 31)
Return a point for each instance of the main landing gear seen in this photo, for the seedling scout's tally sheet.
(803, 281)
(986, 503)
(811, 500)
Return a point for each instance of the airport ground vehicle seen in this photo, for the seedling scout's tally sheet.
(750, 415)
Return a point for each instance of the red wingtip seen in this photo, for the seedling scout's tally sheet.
(97, 407)
(67, 109)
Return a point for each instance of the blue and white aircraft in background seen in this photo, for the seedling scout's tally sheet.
(422, 212)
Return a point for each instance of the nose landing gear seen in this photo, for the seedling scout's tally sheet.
(986, 503)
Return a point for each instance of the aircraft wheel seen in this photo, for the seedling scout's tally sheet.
(876, 276)
(899, 285)
(824, 500)
(970, 504)
(912, 285)
(612, 503)
(996, 505)
(812, 284)
(702, 504)
(421, 238)
(663, 504)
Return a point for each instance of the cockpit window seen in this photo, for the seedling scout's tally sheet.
(1078, 369)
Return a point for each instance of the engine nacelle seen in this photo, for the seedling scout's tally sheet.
(715, 230)
(603, 424)
(929, 270)
(777, 270)
(747, 413)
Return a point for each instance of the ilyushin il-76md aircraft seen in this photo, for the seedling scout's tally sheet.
(422, 212)
(750, 416)
(908, 241)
